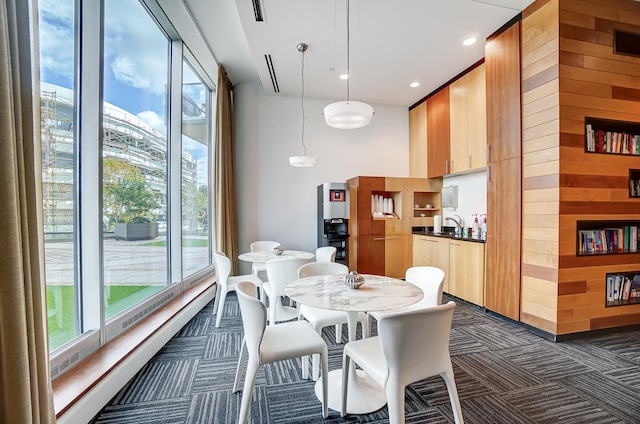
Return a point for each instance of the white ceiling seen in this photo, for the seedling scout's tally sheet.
(393, 42)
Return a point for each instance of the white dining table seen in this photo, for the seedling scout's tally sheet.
(266, 256)
(378, 293)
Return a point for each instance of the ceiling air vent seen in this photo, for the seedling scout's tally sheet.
(257, 10)
(272, 73)
(627, 43)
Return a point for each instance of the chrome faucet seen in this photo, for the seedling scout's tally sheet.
(457, 219)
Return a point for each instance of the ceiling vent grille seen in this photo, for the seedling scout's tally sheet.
(272, 73)
(257, 10)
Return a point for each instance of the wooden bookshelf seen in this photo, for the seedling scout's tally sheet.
(606, 237)
(622, 288)
(610, 136)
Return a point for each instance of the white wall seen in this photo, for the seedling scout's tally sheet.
(472, 197)
(277, 201)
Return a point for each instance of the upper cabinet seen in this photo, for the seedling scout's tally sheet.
(418, 141)
(468, 121)
(438, 134)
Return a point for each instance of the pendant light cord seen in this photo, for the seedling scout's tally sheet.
(303, 145)
(348, 54)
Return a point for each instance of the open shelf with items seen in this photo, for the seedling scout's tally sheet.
(606, 237)
(634, 183)
(623, 288)
(611, 136)
(425, 203)
(386, 205)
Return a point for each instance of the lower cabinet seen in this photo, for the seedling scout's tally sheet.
(462, 262)
(388, 254)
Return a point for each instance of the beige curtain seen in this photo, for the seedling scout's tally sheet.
(225, 186)
(25, 391)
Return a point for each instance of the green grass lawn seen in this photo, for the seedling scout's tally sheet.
(61, 316)
(186, 242)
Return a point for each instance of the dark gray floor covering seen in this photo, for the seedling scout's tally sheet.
(504, 374)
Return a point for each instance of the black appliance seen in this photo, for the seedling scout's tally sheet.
(333, 219)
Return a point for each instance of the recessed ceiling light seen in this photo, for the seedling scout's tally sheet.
(414, 84)
(469, 41)
(344, 76)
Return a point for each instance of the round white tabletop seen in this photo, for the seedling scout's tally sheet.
(376, 294)
(266, 256)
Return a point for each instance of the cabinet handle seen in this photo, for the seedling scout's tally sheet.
(385, 238)
(488, 153)
(446, 166)
(469, 161)
(489, 173)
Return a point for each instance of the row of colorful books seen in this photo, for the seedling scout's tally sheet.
(608, 240)
(601, 141)
(621, 287)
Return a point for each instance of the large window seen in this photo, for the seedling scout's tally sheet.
(126, 180)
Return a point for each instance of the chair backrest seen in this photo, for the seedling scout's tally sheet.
(254, 316)
(416, 343)
(322, 268)
(223, 268)
(281, 272)
(326, 254)
(263, 246)
(430, 279)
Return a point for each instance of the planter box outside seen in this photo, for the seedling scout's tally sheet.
(136, 231)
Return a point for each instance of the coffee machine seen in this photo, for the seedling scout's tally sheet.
(333, 218)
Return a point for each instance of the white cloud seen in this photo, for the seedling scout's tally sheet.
(152, 119)
(57, 37)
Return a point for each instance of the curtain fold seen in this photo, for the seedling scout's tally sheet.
(226, 232)
(25, 391)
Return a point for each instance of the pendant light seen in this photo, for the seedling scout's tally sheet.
(302, 161)
(349, 114)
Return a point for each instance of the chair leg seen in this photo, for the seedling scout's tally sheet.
(395, 402)
(240, 367)
(324, 355)
(305, 367)
(223, 297)
(272, 309)
(338, 333)
(453, 396)
(315, 361)
(366, 327)
(346, 362)
(247, 390)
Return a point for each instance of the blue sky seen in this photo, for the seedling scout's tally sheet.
(136, 54)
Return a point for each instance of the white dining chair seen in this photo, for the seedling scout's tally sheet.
(326, 254)
(430, 279)
(227, 283)
(410, 346)
(259, 269)
(320, 318)
(266, 344)
(281, 272)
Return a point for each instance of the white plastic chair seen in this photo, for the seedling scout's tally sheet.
(273, 343)
(410, 346)
(227, 283)
(281, 272)
(430, 279)
(258, 268)
(320, 318)
(326, 254)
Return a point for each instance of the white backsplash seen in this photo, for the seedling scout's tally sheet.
(472, 197)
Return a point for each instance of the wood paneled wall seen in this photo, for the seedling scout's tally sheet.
(570, 72)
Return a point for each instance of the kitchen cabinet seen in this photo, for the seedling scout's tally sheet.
(418, 141)
(384, 246)
(468, 129)
(504, 173)
(438, 133)
(432, 251)
(466, 271)
(462, 261)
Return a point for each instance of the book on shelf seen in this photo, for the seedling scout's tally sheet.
(623, 288)
(601, 141)
(608, 240)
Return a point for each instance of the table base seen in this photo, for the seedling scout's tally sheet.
(363, 397)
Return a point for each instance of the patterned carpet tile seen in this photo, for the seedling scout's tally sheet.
(491, 409)
(595, 357)
(496, 372)
(552, 403)
(625, 345)
(219, 375)
(172, 411)
(628, 376)
(198, 326)
(295, 403)
(433, 390)
(224, 344)
(461, 344)
(179, 348)
(496, 337)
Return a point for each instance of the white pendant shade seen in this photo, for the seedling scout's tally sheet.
(348, 115)
(302, 161)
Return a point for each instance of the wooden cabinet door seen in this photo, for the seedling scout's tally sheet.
(438, 134)
(398, 255)
(477, 118)
(418, 141)
(371, 255)
(466, 271)
(435, 252)
(504, 238)
(459, 124)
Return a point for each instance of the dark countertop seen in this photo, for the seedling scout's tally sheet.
(428, 231)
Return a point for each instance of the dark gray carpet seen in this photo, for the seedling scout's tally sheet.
(504, 374)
